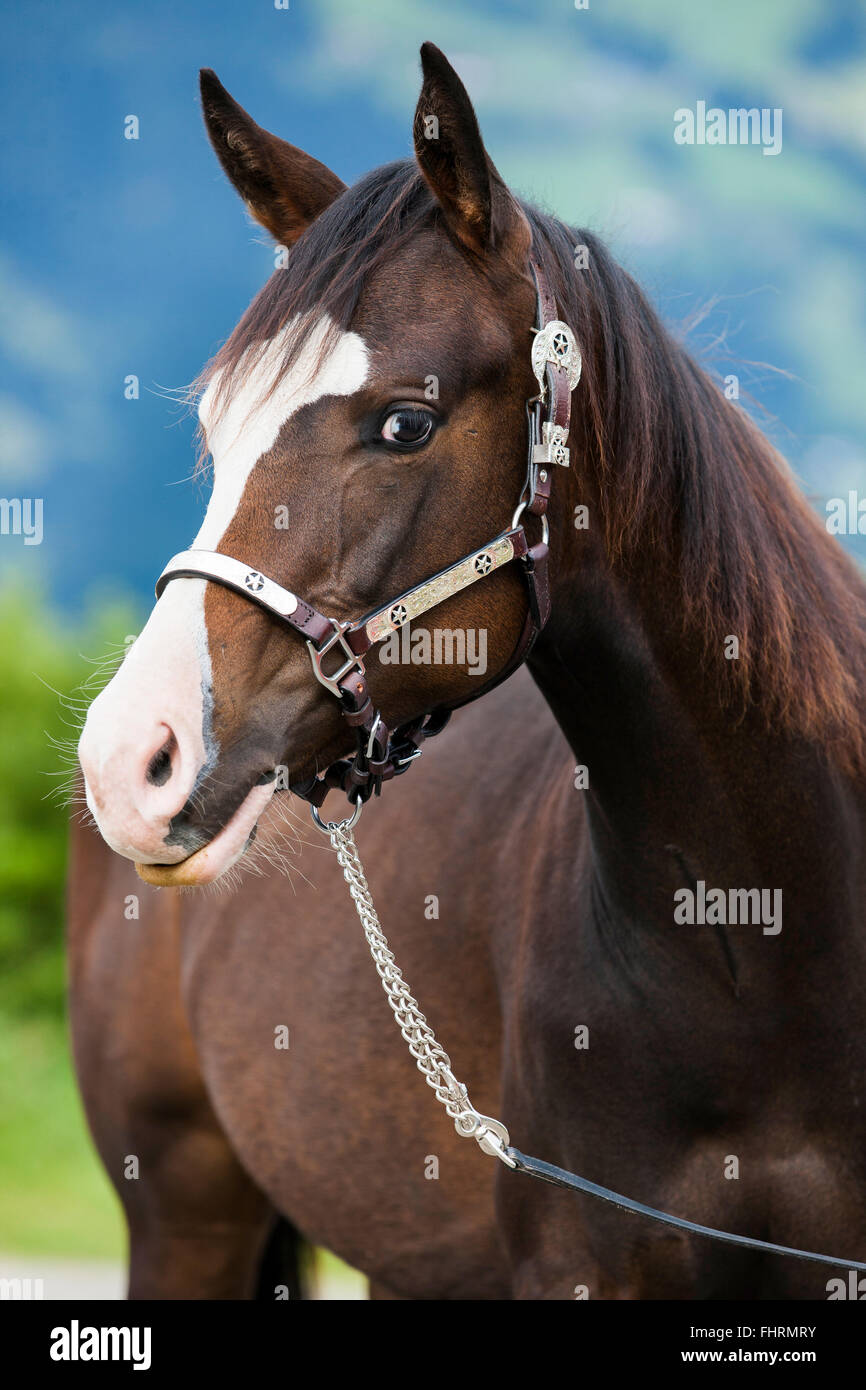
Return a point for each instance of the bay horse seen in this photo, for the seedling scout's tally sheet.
(690, 726)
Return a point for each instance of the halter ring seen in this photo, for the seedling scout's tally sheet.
(545, 524)
(327, 826)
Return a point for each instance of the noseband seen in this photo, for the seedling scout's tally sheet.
(380, 753)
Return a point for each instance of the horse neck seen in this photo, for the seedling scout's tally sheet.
(682, 783)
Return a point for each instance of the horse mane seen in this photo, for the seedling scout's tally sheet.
(682, 472)
(678, 470)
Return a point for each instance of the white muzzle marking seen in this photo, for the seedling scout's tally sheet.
(158, 705)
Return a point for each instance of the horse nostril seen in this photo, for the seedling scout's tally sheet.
(159, 767)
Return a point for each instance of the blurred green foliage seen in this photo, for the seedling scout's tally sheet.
(48, 673)
(55, 1197)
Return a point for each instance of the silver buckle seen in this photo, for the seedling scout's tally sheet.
(408, 758)
(372, 739)
(554, 448)
(331, 682)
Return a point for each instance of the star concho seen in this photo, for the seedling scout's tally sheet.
(440, 587)
(254, 582)
(556, 343)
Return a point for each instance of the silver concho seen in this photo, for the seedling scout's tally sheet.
(556, 343)
(554, 448)
(254, 582)
(442, 586)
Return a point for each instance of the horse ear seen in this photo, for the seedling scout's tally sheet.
(479, 210)
(284, 189)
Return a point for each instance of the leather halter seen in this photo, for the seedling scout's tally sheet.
(381, 753)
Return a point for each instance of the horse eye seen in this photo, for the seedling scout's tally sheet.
(407, 426)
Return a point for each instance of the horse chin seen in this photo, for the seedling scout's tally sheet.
(214, 858)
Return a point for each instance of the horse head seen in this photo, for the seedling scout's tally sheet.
(367, 425)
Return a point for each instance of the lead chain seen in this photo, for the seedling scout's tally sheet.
(430, 1057)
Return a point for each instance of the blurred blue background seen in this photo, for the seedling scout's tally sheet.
(123, 256)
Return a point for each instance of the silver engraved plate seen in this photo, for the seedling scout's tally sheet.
(442, 586)
(223, 569)
(554, 449)
(556, 343)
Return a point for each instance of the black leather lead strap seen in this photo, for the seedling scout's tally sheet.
(559, 1177)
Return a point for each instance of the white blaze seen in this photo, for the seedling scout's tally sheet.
(250, 421)
(166, 676)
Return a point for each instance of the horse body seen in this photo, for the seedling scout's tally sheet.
(337, 1132)
(694, 734)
